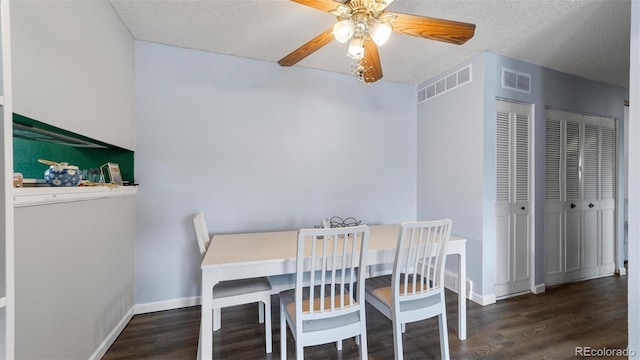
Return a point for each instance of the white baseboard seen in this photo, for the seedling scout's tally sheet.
(451, 283)
(539, 288)
(483, 300)
(167, 305)
(113, 335)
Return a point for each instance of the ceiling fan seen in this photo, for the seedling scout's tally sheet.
(366, 25)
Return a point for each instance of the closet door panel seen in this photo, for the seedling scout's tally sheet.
(521, 243)
(607, 202)
(590, 205)
(513, 172)
(572, 235)
(608, 238)
(572, 162)
(590, 244)
(503, 198)
(573, 214)
(554, 251)
(521, 198)
(553, 248)
(503, 249)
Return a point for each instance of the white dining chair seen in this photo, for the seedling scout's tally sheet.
(237, 292)
(415, 289)
(324, 307)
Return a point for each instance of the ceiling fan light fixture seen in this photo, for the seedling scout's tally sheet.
(367, 25)
(341, 11)
(343, 30)
(379, 32)
(356, 48)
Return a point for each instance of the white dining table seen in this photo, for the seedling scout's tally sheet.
(247, 255)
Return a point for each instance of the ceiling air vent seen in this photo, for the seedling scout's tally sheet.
(445, 84)
(515, 80)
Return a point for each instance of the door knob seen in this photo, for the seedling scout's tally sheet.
(522, 208)
(573, 205)
(591, 205)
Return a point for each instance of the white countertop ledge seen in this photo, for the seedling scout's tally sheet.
(54, 195)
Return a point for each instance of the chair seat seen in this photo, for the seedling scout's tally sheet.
(380, 288)
(240, 287)
(288, 300)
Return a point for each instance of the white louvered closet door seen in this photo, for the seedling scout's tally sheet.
(608, 196)
(589, 205)
(580, 163)
(572, 209)
(513, 198)
(553, 205)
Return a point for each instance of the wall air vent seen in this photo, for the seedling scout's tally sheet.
(515, 80)
(445, 84)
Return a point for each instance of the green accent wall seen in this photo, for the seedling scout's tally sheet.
(27, 152)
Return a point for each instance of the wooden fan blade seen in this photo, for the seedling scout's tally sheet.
(372, 61)
(322, 5)
(307, 49)
(453, 32)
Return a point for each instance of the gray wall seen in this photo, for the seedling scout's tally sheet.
(73, 275)
(258, 147)
(450, 160)
(493, 83)
(466, 116)
(73, 64)
(73, 67)
(572, 93)
(634, 184)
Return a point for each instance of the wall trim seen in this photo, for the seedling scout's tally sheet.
(35, 196)
(167, 305)
(451, 282)
(483, 300)
(113, 335)
(539, 288)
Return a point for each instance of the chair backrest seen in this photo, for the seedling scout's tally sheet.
(420, 257)
(202, 234)
(328, 275)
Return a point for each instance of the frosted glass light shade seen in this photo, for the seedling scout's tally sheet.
(343, 30)
(379, 32)
(356, 48)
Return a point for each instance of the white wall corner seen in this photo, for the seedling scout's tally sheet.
(539, 288)
(113, 335)
(167, 305)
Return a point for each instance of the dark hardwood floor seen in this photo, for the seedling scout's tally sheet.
(550, 325)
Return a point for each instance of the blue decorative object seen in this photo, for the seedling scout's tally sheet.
(63, 174)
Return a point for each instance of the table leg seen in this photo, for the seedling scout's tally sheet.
(462, 296)
(199, 353)
(216, 319)
(209, 279)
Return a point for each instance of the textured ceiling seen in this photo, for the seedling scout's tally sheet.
(588, 38)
